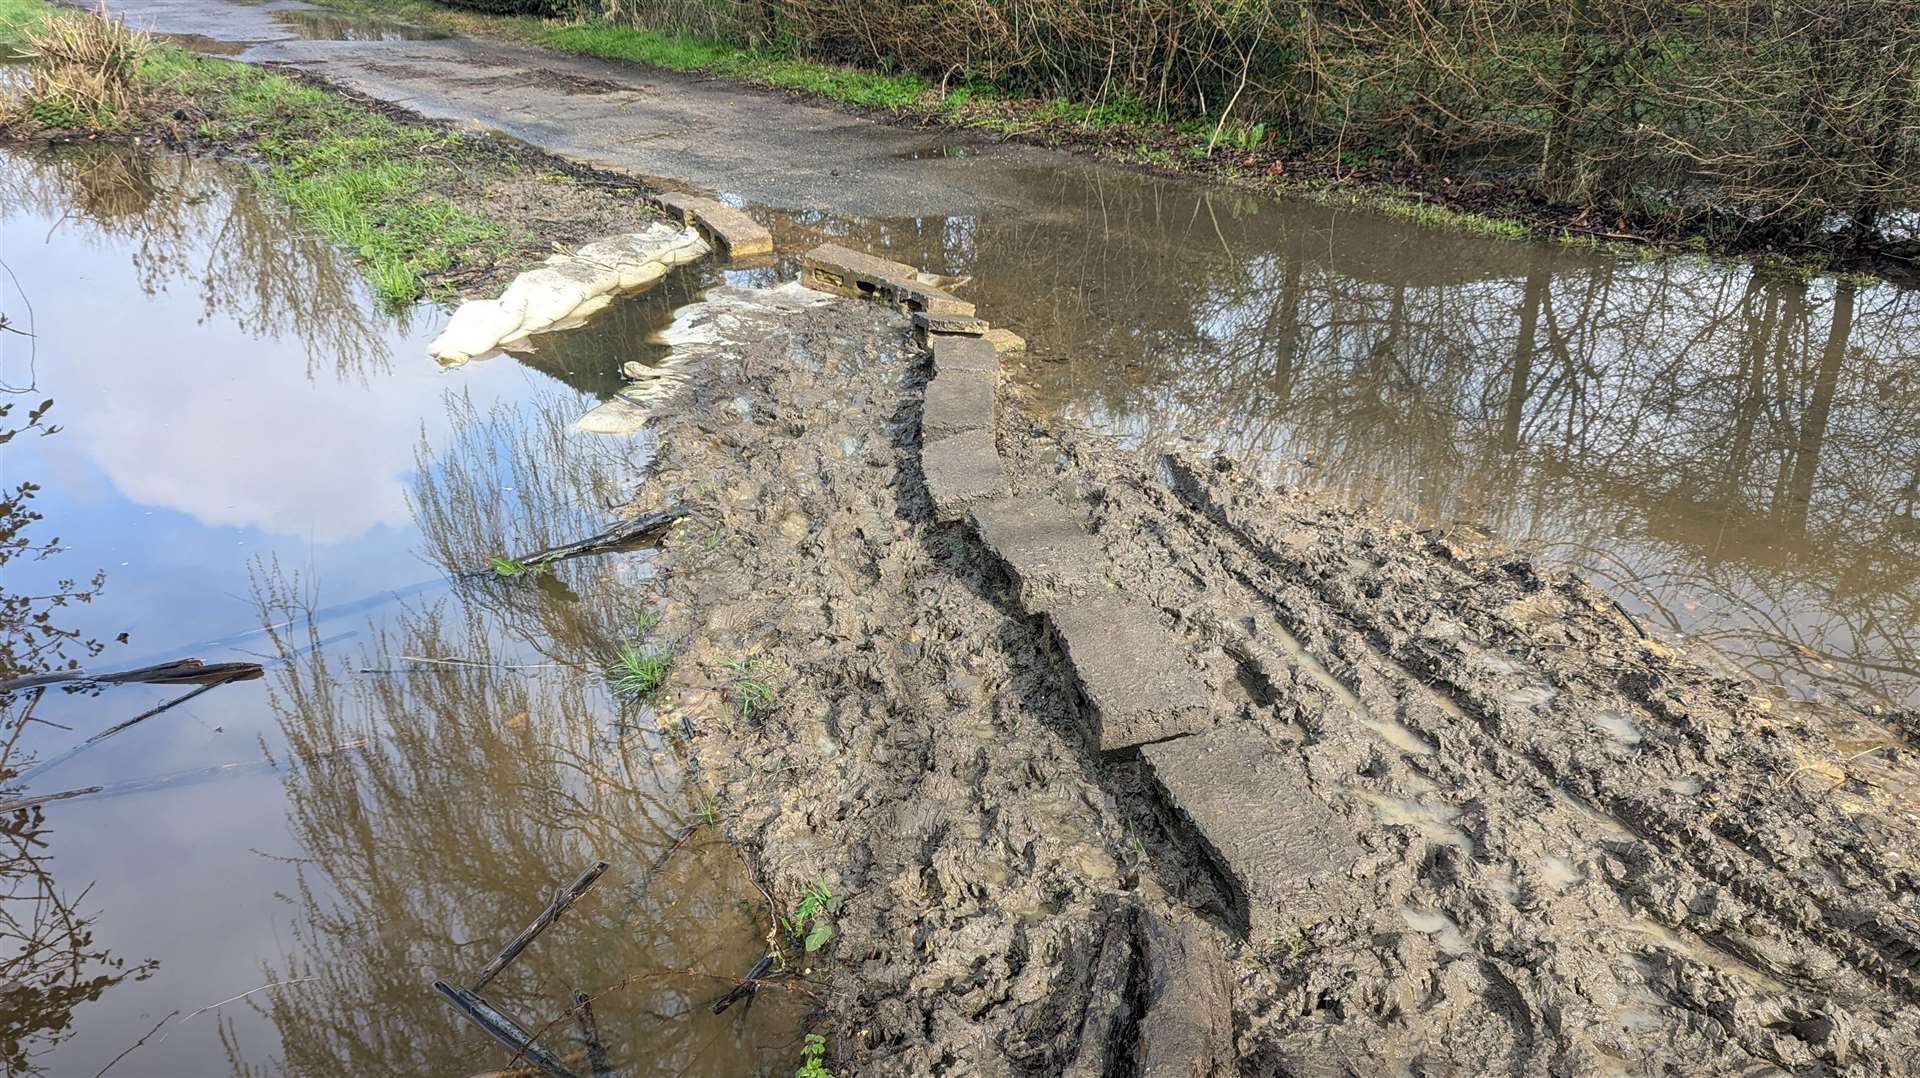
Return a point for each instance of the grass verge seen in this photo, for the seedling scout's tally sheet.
(423, 208)
(363, 179)
(15, 15)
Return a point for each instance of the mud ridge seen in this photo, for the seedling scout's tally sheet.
(1475, 821)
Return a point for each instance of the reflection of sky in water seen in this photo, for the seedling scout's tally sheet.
(220, 416)
(178, 461)
(191, 445)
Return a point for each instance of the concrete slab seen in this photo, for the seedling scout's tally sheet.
(962, 470)
(915, 297)
(833, 268)
(963, 354)
(1006, 340)
(928, 324)
(841, 270)
(1292, 858)
(1052, 558)
(730, 229)
(1187, 1031)
(1132, 672)
(959, 401)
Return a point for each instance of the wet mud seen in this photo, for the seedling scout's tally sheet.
(1525, 836)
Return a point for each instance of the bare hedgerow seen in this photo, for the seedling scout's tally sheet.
(1766, 119)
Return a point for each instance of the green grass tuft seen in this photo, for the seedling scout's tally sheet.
(639, 673)
(753, 694)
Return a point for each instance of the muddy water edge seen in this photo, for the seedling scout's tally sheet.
(244, 458)
(1735, 455)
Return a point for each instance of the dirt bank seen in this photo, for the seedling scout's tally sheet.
(1533, 840)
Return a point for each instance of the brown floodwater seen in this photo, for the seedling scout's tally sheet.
(262, 465)
(1736, 456)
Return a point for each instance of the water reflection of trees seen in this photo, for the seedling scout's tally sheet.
(207, 223)
(588, 358)
(1742, 452)
(496, 766)
(518, 479)
(49, 962)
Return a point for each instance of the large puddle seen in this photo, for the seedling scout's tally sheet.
(265, 468)
(1736, 457)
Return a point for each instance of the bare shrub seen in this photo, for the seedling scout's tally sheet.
(1777, 120)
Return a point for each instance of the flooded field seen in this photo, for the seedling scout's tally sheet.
(1736, 457)
(241, 458)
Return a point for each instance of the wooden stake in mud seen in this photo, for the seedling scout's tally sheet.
(497, 1024)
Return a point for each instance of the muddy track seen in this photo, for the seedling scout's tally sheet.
(1373, 801)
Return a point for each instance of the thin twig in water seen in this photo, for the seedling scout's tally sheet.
(230, 999)
(19, 803)
(457, 661)
(41, 768)
(33, 350)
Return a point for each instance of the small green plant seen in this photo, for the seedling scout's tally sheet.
(708, 812)
(1245, 137)
(640, 672)
(812, 920)
(752, 693)
(508, 568)
(813, 1056)
(644, 622)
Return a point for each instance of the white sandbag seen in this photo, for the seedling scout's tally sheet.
(476, 328)
(566, 288)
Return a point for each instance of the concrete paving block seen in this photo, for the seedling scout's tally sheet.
(916, 298)
(1290, 855)
(677, 203)
(1049, 553)
(928, 325)
(1132, 671)
(963, 354)
(962, 470)
(1187, 1031)
(1006, 340)
(833, 268)
(736, 233)
(958, 401)
(730, 229)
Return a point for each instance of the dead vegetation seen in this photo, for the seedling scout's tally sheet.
(84, 69)
(1786, 121)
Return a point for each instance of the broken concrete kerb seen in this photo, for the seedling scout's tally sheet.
(833, 268)
(565, 289)
(729, 228)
